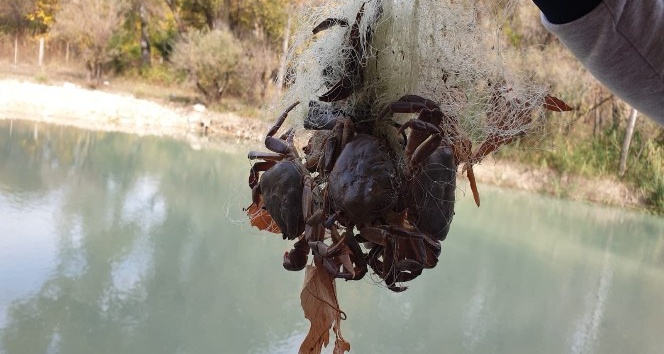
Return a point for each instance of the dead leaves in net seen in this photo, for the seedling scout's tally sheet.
(555, 104)
(319, 302)
(260, 218)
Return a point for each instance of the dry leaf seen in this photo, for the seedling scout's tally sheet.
(556, 104)
(260, 218)
(340, 345)
(319, 302)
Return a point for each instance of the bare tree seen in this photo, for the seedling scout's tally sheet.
(90, 24)
(146, 53)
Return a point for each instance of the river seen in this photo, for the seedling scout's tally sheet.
(114, 243)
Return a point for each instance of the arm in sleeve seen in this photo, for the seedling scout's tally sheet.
(621, 42)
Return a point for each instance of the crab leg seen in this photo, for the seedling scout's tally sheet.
(343, 131)
(270, 156)
(279, 145)
(419, 99)
(339, 251)
(342, 89)
(420, 143)
(353, 65)
(313, 228)
(354, 246)
(401, 107)
(256, 168)
(330, 22)
(416, 152)
(281, 120)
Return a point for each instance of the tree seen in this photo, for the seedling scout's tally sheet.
(243, 17)
(139, 18)
(13, 15)
(210, 58)
(146, 53)
(90, 24)
(41, 18)
(209, 13)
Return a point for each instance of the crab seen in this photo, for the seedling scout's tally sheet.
(364, 186)
(354, 58)
(429, 195)
(278, 186)
(399, 255)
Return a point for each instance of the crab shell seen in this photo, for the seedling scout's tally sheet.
(364, 183)
(431, 205)
(281, 188)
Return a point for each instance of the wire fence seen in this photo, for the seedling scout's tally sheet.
(26, 51)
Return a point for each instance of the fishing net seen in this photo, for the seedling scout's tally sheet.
(350, 61)
(447, 51)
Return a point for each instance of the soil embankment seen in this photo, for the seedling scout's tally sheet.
(72, 105)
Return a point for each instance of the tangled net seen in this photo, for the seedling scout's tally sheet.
(376, 189)
(446, 51)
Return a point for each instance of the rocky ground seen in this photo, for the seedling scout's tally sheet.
(69, 104)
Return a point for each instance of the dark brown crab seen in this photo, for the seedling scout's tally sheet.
(365, 184)
(429, 195)
(281, 188)
(353, 65)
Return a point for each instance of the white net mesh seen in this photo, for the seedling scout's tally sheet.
(447, 51)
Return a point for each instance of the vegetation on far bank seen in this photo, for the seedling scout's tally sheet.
(226, 53)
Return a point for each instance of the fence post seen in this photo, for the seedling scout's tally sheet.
(626, 142)
(16, 51)
(41, 51)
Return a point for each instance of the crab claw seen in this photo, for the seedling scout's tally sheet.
(296, 259)
(297, 263)
(397, 289)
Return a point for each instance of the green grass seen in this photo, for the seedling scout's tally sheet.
(599, 156)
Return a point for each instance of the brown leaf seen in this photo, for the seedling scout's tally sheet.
(556, 104)
(319, 302)
(260, 218)
(340, 345)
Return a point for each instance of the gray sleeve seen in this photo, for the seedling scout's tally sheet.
(621, 42)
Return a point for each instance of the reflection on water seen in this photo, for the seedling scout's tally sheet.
(587, 327)
(111, 243)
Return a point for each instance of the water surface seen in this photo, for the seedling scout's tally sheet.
(112, 243)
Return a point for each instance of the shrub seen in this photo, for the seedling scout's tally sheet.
(210, 59)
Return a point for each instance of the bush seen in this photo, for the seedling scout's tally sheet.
(254, 79)
(210, 59)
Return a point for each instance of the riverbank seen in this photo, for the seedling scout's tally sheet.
(72, 105)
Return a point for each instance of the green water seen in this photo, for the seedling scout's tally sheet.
(111, 243)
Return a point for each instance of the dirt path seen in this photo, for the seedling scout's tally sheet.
(68, 104)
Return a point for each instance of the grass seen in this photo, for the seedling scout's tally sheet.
(599, 156)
